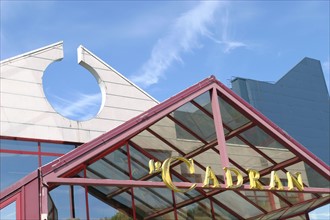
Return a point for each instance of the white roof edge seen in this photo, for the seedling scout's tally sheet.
(31, 52)
(107, 65)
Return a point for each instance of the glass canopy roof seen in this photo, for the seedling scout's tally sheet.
(211, 125)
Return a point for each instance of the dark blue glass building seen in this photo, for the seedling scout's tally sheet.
(298, 103)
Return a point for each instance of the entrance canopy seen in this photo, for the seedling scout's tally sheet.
(242, 165)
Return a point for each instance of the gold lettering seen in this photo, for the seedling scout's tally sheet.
(254, 177)
(293, 182)
(275, 181)
(166, 175)
(229, 177)
(210, 177)
(154, 167)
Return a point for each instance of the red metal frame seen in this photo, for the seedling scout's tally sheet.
(219, 129)
(60, 171)
(15, 198)
(277, 133)
(131, 178)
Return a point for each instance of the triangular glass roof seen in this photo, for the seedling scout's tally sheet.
(213, 126)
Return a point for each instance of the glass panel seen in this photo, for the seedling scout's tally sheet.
(264, 199)
(101, 205)
(275, 215)
(56, 148)
(101, 210)
(204, 101)
(221, 214)
(112, 166)
(175, 135)
(259, 138)
(8, 212)
(278, 155)
(234, 141)
(153, 145)
(103, 189)
(61, 199)
(267, 145)
(297, 209)
(295, 197)
(198, 210)
(246, 157)
(185, 176)
(124, 199)
(150, 200)
(52, 210)
(167, 216)
(320, 212)
(196, 120)
(139, 164)
(301, 217)
(48, 159)
(321, 200)
(240, 205)
(314, 179)
(230, 116)
(181, 197)
(80, 204)
(18, 145)
(10, 172)
(119, 216)
(206, 158)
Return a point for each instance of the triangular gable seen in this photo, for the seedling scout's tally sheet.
(217, 129)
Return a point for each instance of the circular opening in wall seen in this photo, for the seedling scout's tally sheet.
(72, 90)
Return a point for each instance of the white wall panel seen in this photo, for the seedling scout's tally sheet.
(25, 111)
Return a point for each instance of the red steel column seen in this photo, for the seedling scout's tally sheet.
(131, 178)
(219, 130)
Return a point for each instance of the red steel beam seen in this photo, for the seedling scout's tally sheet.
(139, 183)
(219, 129)
(273, 130)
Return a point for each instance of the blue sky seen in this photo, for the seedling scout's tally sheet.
(165, 46)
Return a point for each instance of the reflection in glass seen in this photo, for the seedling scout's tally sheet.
(196, 120)
(47, 159)
(99, 209)
(8, 212)
(112, 166)
(80, 202)
(56, 148)
(230, 116)
(61, 198)
(240, 204)
(52, 210)
(18, 145)
(221, 214)
(199, 210)
(139, 164)
(10, 172)
(150, 200)
(259, 138)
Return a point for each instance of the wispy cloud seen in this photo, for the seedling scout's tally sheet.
(182, 37)
(76, 109)
(185, 36)
(228, 43)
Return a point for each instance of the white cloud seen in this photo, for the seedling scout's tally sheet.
(227, 42)
(77, 109)
(182, 37)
